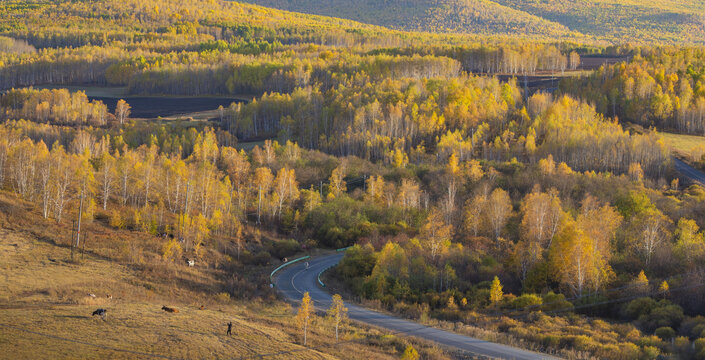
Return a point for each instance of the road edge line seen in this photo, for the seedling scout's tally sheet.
(271, 275)
(322, 271)
(319, 276)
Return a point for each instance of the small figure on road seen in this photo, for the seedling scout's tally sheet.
(307, 265)
(230, 328)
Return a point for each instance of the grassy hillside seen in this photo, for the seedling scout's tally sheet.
(469, 16)
(645, 20)
(639, 20)
(690, 148)
(45, 307)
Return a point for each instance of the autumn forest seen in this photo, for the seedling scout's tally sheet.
(514, 186)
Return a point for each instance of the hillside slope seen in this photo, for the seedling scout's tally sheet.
(46, 302)
(639, 20)
(462, 16)
(671, 21)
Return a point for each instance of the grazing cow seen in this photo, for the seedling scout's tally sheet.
(109, 296)
(170, 309)
(203, 307)
(91, 295)
(101, 312)
(190, 263)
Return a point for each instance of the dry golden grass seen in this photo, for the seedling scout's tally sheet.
(690, 147)
(142, 327)
(45, 301)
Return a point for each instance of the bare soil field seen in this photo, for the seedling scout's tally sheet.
(153, 106)
(588, 62)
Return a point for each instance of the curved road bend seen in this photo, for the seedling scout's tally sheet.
(689, 171)
(294, 280)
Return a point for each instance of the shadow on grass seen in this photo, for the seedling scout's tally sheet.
(72, 316)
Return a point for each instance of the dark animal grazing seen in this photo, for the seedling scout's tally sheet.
(101, 312)
(170, 309)
(230, 328)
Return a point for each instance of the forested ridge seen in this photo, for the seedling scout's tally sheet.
(467, 195)
(220, 48)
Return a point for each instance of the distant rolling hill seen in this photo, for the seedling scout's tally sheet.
(671, 21)
(471, 16)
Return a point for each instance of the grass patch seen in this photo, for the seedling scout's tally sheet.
(689, 147)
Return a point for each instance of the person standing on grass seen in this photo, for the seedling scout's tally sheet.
(230, 328)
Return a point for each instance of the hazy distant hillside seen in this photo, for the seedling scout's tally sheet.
(647, 20)
(484, 17)
(637, 20)
(475, 16)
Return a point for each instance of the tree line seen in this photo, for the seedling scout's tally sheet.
(659, 87)
(471, 116)
(59, 106)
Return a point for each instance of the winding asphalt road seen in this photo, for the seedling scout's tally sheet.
(295, 279)
(689, 171)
